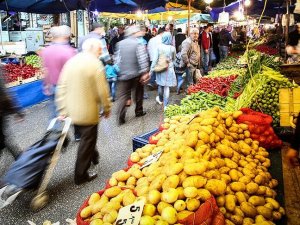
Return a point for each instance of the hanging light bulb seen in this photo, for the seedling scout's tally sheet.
(170, 18)
(139, 13)
(239, 15)
(247, 3)
(208, 1)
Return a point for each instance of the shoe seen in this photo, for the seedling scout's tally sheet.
(158, 101)
(77, 137)
(121, 122)
(89, 177)
(140, 114)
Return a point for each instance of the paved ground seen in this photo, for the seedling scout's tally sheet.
(114, 144)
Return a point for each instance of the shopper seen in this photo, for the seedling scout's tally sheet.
(81, 91)
(97, 32)
(113, 43)
(216, 41)
(54, 57)
(225, 39)
(179, 38)
(133, 61)
(112, 71)
(7, 106)
(207, 47)
(167, 78)
(152, 47)
(180, 68)
(293, 151)
(190, 54)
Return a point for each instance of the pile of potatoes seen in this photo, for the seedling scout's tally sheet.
(202, 156)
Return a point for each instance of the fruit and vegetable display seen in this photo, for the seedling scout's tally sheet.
(262, 93)
(225, 73)
(14, 71)
(217, 85)
(266, 49)
(204, 155)
(228, 63)
(34, 61)
(194, 103)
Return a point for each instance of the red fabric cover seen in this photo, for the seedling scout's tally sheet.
(207, 214)
(79, 220)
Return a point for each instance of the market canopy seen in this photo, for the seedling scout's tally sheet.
(122, 6)
(42, 6)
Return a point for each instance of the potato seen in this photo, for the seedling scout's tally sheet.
(230, 164)
(251, 188)
(203, 194)
(224, 170)
(261, 190)
(158, 182)
(237, 219)
(248, 221)
(175, 169)
(230, 202)
(240, 197)
(228, 222)
(237, 186)
(226, 178)
(234, 175)
(216, 187)
(248, 209)
(195, 168)
(229, 121)
(86, 212)
(238, 211)
(192, 139)
(171, 182)
(194, 181)
(276, 215)
(99, 204)
(94, 198)
(202, 135)
(265, 212)
(256, 200)
(281, 210)
(192, 204)
(220, 201)
(112, 192)
(245, 179)
(225, 151)
(273, 202)
(259, 219)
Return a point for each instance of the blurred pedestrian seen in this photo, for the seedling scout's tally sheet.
(133, 62)
(54, 57)
(207, 47)
(152, 47)
(216, 40)
(165, 78)
(113, 43)
(180, 69)
(179, 38)
(81, 91)
(112, 71)
(7, 106)
(98, 32)
(225, 39)
(190, 54)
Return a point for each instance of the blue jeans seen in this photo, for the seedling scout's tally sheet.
(180, 81)
(190, 76)
(205, 61)
(51, 103)
(164, 94)
(112, 86)
(152, 79)
(223, 52)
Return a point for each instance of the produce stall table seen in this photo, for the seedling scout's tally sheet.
(29, 94)
(291, 71)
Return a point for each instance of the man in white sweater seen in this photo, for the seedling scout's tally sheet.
(82, 89)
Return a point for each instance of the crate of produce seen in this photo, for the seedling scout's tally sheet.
(141, 140)
(289, 105)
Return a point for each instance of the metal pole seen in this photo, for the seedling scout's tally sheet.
(189, 16)
(287, 25)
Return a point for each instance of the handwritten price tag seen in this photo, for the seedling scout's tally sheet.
(151, 159)
(131, 214)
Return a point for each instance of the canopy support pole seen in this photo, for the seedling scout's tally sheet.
(189, 16)
(287, 25)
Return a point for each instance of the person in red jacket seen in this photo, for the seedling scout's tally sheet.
(206, 43)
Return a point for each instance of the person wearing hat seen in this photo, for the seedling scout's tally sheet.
(133, 62)
(97, 32)
(54, 57)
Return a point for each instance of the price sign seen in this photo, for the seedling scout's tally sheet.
(131, 214)
(151, 159)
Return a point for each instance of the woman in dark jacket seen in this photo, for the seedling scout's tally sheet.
(7, 106)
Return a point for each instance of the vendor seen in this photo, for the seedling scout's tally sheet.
(293, 151)
(293, 48)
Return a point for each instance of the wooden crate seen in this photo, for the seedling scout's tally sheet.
(289, 105)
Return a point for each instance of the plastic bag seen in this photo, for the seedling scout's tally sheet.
(207, 214)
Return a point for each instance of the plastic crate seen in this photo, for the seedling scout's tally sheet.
(141, 140)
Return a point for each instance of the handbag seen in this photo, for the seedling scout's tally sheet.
(162, 63)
